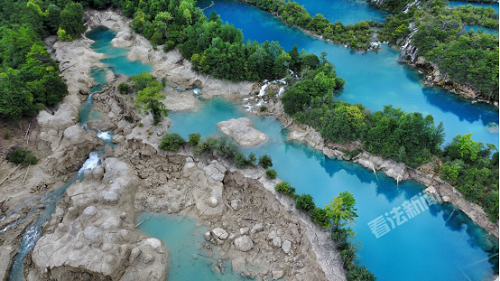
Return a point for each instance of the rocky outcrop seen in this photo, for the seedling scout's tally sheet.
(241, 130)
(94, 238)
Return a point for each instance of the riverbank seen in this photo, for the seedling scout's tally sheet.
(398, 171)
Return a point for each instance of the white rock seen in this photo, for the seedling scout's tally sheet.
(257, 228)
(244, 230)
(286, 246)
(278, 274)
(242, 131)
(243, 243)
(277, 242)
(90, 211)
(220, 233)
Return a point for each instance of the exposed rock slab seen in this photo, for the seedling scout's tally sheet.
(242, 131)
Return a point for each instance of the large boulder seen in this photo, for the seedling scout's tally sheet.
(242, 131)
(243, 243)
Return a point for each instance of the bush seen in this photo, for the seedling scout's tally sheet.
(207, 145)
(285, 187)
(129, 119)
(7, 135)
(265, 161)
(21, 156)
(141, 125)
(172, 142)
(320, 217)
(123, 88)
(305, 202)
(240, 160)
(271, 174)
(169, 45)
(194, 139)
(251, 159)
(226, 148)
(357, 272)
(263, 108)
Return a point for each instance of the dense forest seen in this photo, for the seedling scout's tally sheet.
(467, 57)
(354, 35)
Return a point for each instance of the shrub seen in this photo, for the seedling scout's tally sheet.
(263, 108)
(305, 202)
(265, 161)
(286, 188)
(207, 145)
(7, 135)
(141, 125)
(129, 119)
(123, 88)
(357, 272)
(194, 139)
(251, 159)
(21, 156)
(320, 217)
(240, 160)
(169, 45)
(226, 148)
(172, 142)
(271, 174)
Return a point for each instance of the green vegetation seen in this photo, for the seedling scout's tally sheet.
(286, 188)
(263, 108)
(7, 135)
(265, 161)
(123, 88)
(466, 57)
(149, 95)
(194, 139)
(129, 118)
(22, 156)
(271, 174)
(468, 166)
(172, 142)
(355, 36)
(29, 78)
(305, 202)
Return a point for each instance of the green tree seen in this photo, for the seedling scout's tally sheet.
(305, 202)
(271, 174)
(71, 20)
(171, 142)
(265, 161)
(341, 210)
(194, 139)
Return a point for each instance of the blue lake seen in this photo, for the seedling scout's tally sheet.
(348, 12)
(374, 79)
(485, 30)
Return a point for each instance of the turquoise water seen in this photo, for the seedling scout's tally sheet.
(187, 260)
(485, 30)
(116, 58)
(485, 5)
(346, 11)
(374, 79)
(427, 247)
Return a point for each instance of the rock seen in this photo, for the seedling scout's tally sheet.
(257, 228)
(234, 204)
(208, 236)
(276, 242)
(220, 233)
(238, 264)
(286, 246)
(242, 131)
(278, 274)
(90, 211)
(97, 172)
(446, 198)
(117, 138)
(243, 243)
(244, 230)
(213, 202)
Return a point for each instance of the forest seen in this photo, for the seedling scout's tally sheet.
(466, 57)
